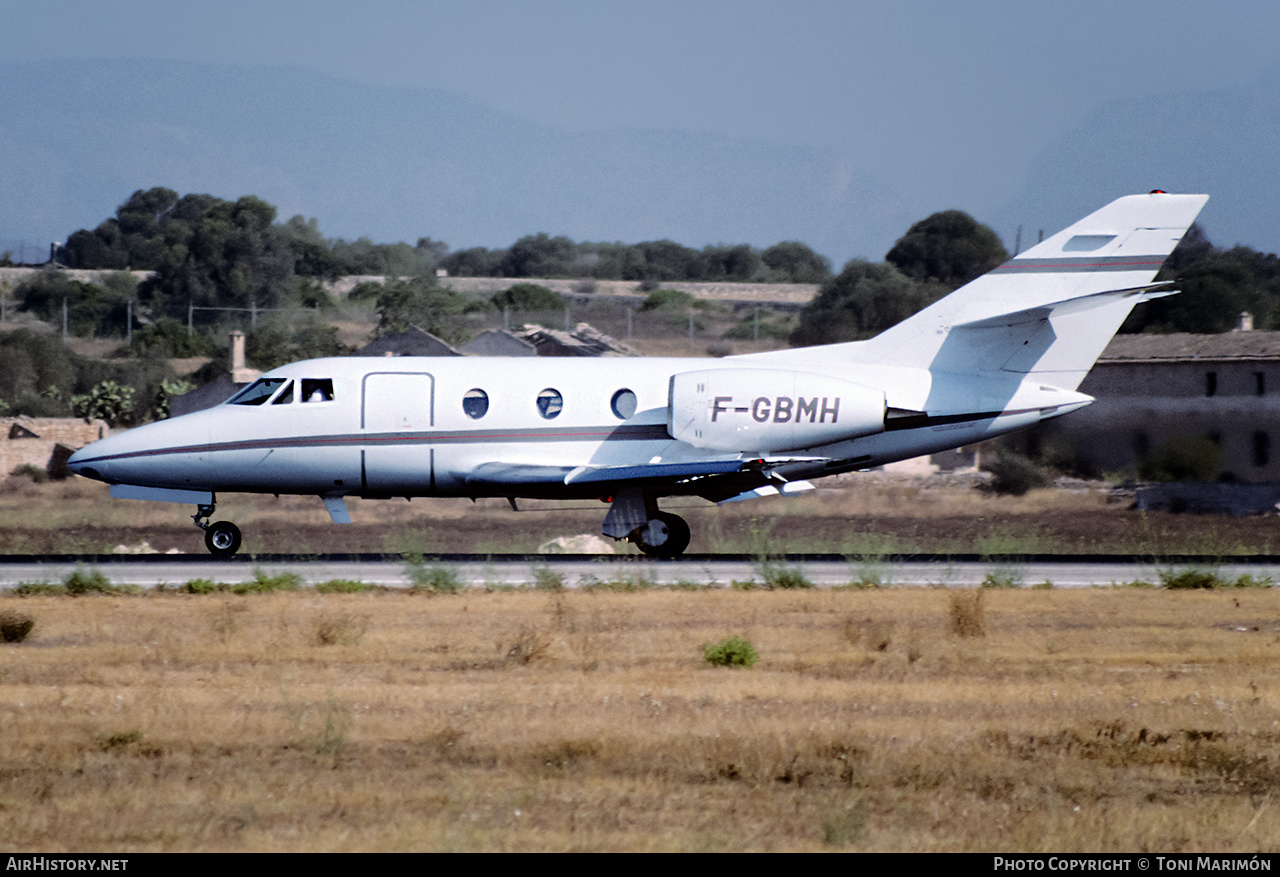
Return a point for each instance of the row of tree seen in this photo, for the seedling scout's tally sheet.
(203, 248)
(209, 252)
(947, 250)
(541, 255)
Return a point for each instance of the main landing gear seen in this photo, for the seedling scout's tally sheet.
(222, 538)
(635, 517)
(665, 535)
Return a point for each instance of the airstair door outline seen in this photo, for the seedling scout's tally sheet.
(398, 417)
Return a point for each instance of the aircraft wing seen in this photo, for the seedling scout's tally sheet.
(715, 480)
(517, 474)
(526, 474)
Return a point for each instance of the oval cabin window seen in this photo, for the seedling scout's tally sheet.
(550, 403)
(475, 403)
(623, 404)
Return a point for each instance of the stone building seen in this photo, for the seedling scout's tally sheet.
(1153, 390)
(45, 442)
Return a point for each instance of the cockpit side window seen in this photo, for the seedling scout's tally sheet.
(285, 397)
(257, 392)
(317, 390)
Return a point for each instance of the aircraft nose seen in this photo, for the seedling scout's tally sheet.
(78, 463)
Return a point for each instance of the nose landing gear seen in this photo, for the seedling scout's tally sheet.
(221, 538)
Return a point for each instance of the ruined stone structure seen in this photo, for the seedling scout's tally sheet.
(45, 442)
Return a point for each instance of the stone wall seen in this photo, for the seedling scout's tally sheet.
(45, 442)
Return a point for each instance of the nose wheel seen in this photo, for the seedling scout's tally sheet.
(221, 538)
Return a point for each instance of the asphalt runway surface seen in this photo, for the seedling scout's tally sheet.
(575, 571)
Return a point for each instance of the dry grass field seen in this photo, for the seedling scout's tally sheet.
(854, 515)
(1122, 719)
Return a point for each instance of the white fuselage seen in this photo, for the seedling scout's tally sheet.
(399, 426)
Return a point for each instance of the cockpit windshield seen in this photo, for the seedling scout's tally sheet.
(257, 392)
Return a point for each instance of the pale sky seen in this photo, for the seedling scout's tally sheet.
(947, 101)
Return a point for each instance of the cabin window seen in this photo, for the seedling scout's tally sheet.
(257, 392)
(1261, 449)
(1259, 383)
(317, 390)
(475, 403)
(1211, 383)
(285, 397)
(550, 403)
(623, 404)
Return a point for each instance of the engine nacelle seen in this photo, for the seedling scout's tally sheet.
(756, 410)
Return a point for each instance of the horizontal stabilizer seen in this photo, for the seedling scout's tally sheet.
(1072, 306)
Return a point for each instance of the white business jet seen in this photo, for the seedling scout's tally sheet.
(1003, 352)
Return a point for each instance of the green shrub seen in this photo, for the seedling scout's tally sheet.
(37, 474)
(668, 299)
(203, 586)
(1013, 474)
(844, 827)
(265, 584)
(529, 297)
(15, 626)
(434, 579)
(547, 579)
(1183, 459)
(39, 589)
(92, 581)
(1002, 578)
(733, 652)
(1203, 579)
(783, 577)
(342, 586)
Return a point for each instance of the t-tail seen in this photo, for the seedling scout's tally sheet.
(1049, 312)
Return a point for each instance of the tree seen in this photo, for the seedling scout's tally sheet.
(793, 262)
(736, 264)
(539, 255)
(864, 299)
(950, 248)
(474, 262)
(1216, 285)
(419, 302)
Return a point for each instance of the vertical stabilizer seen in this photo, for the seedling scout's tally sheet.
(1118, 248)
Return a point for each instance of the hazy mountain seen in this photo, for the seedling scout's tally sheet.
(1224, 143)
(77, 138)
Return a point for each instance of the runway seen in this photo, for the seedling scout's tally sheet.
(585, 571)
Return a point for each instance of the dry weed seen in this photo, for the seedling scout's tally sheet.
(967, 615)
(1107, 720)
(15, 626)
(340, 628)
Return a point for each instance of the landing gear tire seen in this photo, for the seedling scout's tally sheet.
(666, 535)
(222, 539)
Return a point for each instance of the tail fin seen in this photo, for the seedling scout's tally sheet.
(1049, 311)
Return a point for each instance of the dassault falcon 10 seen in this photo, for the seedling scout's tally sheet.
(1003, 352)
